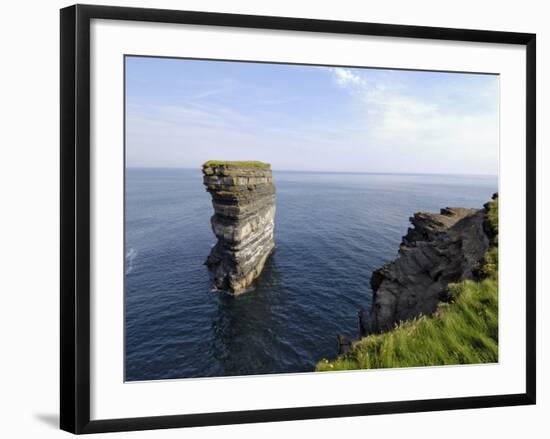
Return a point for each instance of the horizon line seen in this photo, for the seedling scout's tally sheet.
(327, 172)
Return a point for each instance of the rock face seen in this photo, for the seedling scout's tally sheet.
(440, 249)
(243, 196)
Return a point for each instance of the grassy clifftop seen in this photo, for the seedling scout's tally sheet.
(237, 164)
(463, 331)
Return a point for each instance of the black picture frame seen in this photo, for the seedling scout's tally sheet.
(75, 217)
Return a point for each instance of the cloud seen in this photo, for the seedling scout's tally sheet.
(190, 133)
(345, 77)
(448, 126)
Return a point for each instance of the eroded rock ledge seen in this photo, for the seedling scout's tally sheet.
(243, 196)
(439, 249)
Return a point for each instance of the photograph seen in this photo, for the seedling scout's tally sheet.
(294, 218)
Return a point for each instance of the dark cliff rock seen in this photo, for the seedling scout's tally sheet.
(344, 344)
(243, 196)
(439, 249)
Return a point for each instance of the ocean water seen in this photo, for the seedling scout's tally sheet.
(331, 231)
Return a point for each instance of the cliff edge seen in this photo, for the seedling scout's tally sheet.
(243, 197)
(437, 302)
(438, 250)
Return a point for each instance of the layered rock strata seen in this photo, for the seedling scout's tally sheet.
(243, 196)
(439, 249)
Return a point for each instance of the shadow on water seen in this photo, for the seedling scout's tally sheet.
(245, 325)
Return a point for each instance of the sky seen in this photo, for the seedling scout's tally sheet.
(181, 113)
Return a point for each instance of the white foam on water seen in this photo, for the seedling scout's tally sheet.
(130, 256)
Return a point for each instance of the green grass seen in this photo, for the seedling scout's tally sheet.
(237, 164)
(463, 331)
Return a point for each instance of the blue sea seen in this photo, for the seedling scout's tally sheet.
(331, 231)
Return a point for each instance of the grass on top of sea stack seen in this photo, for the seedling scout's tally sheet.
(463, 331)
(236, 164)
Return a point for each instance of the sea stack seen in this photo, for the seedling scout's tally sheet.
(243, 196)
(439, 249)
